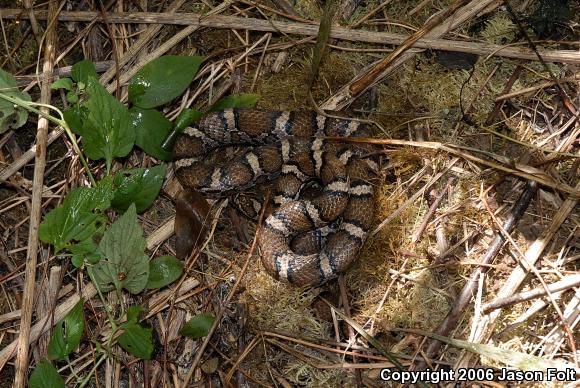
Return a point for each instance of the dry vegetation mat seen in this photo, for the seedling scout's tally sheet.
(470, 273)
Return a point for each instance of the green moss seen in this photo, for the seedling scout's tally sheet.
(499, 30)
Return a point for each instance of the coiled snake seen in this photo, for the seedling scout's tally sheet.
(305, 241)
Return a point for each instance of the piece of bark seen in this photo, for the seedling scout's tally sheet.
(47, 300)
(51, 42)
(310, 29)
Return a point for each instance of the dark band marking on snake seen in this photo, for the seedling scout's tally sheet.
(305, 241)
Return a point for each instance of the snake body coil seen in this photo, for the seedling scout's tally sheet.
(305, 241)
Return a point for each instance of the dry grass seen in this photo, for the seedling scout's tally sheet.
(275, 334)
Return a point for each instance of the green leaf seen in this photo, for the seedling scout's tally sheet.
(240, 100)
(139, 186)
(186, 117)
(45, 376)
(162, 80)
(79, 217)
(137, 340)
(83, 70)
(78, 261)
(86, 251)
(123, 263)
(164, 270)
(72, 97)
(198, 326)
(151, 130)
(62, 83)
(67, 333)
(11, 116)
(75, 116)
(133, 314)
(106, 128)
(103, 194)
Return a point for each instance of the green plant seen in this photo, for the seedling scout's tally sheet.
(11, 116)
(112, 253)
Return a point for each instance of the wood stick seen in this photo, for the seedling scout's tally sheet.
(65, 71)
(162, 49)
(145, 37)
(523, 171)
(36, 207)
(44, 323)
(15, 314)
(432, 209)
(519, 274)
(370, 77)
(47, 298)
(28, 5)
(535, 88)
(311, 29)
(159, 51)
(508, 86)
(349, 92)
(564, 284)
(464, 298)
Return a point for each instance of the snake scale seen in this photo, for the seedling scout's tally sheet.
(306, 241)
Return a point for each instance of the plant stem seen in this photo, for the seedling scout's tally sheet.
(72, 370)
(110, 316)
(92, 372)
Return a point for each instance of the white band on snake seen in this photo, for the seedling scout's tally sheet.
(304, 241)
